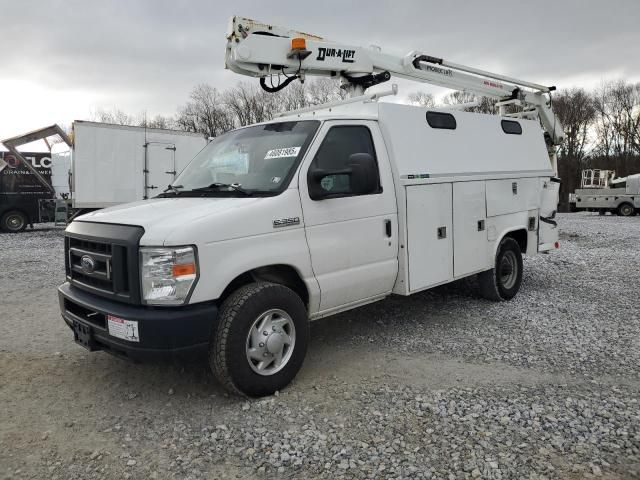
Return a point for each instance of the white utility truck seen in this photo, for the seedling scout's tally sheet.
(601, 191)
(316, 212)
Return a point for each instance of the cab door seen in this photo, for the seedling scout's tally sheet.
(352, 238)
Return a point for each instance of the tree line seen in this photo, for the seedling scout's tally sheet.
(212, 112)
(602, 125)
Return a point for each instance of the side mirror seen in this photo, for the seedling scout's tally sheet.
(364, 177)
(360, 178)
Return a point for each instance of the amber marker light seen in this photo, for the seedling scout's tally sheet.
(184, 269)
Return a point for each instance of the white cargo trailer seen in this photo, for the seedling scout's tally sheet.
(113, 164)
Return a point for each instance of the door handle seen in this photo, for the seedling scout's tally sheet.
(387, 228)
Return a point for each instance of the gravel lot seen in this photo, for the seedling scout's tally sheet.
(438, 385)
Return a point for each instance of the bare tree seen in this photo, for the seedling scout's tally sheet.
(576, 112)
(205, 112)
(250, 104)
(485, 104)
(618, 119)
(114, 116)
(422, 99)
(324, 90)
(159, 121)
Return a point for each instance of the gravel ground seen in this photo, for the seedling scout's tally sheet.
(438, 385)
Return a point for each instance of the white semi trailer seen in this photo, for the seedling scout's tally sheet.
(114, 164)
(316, 212)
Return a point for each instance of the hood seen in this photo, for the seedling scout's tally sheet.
(184, 220)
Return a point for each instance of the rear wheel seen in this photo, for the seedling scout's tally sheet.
(13, 221)
(626, 210)
(503, 281)
(261, 339)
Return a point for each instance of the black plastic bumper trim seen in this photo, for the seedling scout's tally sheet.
(164, 332)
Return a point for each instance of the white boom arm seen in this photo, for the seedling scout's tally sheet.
(261, 50)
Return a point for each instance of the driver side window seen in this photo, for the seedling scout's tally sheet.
(334, 156)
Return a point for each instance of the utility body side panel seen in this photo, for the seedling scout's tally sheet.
(470, 246)
(429, 235)
(477, 146)
(512, 195)
(605, 198)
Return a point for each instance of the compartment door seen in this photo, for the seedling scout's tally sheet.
(429, 235)
(470, 245)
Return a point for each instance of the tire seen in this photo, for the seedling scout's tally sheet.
(13, 221)
(503, 281)
(235, 352)
(602, 213)
(626, 210)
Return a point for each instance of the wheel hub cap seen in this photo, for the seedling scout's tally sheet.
(508, 270)
(270, 342)
(14, 222)
(275, 342)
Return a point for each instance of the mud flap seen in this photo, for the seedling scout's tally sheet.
(548, 226)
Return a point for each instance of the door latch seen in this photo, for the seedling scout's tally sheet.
(442, 233)
(387, 228)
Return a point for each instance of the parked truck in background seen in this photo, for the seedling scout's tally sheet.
(313, 213)
(97, 166)
(23, 197)
(114, 164)
(601, 191)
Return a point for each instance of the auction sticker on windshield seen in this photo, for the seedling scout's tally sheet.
(124, 329)
(282, 152)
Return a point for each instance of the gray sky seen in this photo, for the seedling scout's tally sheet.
(63, 59)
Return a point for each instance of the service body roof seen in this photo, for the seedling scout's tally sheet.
(478, 146)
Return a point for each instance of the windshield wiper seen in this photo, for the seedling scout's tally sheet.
(216, 186)
(172, 188)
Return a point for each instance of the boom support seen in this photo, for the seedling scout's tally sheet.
(266, 51)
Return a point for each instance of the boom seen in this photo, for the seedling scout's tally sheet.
(283, 55)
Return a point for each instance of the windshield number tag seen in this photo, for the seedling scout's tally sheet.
(282, 152)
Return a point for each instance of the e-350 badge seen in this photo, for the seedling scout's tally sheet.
(286, 222)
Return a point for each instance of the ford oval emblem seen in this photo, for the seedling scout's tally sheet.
(88, 264)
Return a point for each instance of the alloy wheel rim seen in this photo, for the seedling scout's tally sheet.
(270, 342)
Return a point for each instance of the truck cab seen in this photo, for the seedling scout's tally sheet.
(302, 217)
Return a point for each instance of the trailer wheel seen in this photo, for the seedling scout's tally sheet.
(14, 221)
(503, 281)
(626, 210)
(261, 339)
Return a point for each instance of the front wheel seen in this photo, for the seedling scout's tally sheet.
(261, 339)
(13, 221)
(503, 281)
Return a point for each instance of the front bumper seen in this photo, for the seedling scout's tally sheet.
(163, 332)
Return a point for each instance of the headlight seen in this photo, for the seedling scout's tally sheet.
(168, 274)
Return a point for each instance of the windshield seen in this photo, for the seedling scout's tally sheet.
(252, 159)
